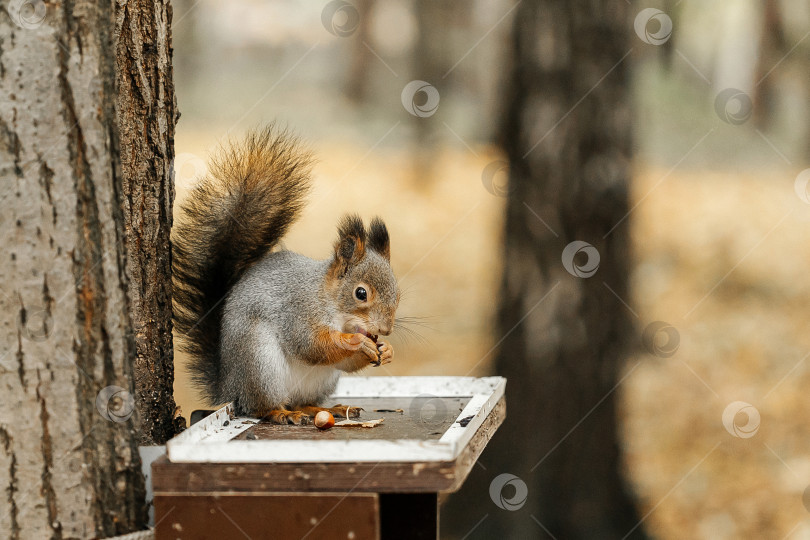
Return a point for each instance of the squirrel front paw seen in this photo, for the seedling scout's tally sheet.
(385, 353)
(355, 342)
(359, 351)
(369, 348)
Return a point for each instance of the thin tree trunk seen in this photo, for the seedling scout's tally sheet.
(568, 139)
(357, 84)
(433, 56)
(146, 119)
(773, 46)
(69, 464)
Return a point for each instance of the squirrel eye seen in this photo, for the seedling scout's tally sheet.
(360, 294)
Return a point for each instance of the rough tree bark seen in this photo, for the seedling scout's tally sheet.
(69, 464)
(147, 114)
(567, 134)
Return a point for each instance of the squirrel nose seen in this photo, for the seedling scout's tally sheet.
(385, 328)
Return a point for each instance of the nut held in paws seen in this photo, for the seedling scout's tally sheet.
(324, 420)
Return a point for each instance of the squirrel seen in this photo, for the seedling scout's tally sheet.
(269, 329)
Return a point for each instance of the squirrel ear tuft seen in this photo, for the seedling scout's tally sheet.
(351, 245)
(378, 239)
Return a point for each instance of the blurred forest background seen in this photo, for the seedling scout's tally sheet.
(720, 220)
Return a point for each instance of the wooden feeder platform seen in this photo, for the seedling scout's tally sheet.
(235, 477)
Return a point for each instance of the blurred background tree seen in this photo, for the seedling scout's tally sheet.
(565, 331)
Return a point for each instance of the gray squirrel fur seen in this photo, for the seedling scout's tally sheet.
(271, 329)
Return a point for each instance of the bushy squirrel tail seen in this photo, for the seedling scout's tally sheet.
(253, 191)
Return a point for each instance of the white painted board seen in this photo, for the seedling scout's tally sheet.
(209, 440)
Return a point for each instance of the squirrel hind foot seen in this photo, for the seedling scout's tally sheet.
(338, 411)
(304, 415)
(345, 411)
(285, 416)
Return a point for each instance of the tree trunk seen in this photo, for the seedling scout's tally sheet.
(772, 49)
(69, 464)
(357, 83)
(146, 118)
(565, 336)
(433, 56)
